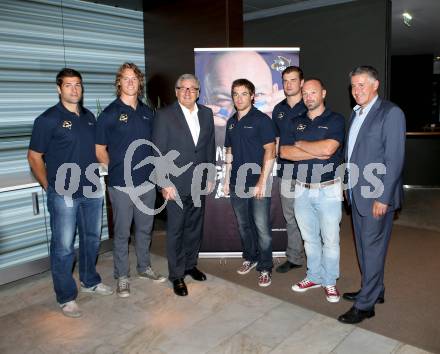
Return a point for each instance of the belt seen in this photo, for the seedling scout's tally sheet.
(318, 185)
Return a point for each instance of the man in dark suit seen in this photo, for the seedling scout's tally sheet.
(188, 128)
(376, 148)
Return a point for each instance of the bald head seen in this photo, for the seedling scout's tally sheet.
(235, 65)
(313, 93)
(227, 67)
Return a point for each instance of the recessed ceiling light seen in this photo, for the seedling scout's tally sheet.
(407, 18)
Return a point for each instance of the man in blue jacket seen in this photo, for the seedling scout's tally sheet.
(376, 148)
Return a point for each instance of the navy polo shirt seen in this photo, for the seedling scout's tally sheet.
(118, 126)
(247, 137)
(64, 137)
(282, 116)
(328, 125)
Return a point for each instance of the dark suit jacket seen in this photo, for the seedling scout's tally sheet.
(381, 139)
(171, 132)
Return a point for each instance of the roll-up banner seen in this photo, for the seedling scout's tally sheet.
(216, 69)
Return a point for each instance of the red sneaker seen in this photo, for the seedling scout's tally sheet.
(304, 285)
(246, 267)
(265, 278)
(331, 293)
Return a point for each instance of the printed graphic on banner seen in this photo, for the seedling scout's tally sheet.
(216, 69)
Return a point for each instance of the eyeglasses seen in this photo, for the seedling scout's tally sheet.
(190, 89)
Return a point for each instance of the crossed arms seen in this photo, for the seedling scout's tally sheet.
(307, 150)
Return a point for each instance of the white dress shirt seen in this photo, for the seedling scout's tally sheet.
(192, 119)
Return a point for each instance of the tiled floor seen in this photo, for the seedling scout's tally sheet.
(216, 317)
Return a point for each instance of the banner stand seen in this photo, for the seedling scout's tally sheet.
(216, 69)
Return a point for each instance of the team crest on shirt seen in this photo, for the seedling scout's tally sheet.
(231, 126)
(123, 118)
(67, 124)
(301, 127)
(280, 115)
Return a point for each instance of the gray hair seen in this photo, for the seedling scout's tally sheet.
(187, 77)
(365, 69)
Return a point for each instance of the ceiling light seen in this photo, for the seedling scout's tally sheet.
(407, 18)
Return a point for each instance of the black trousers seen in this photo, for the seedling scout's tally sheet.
(184, 235)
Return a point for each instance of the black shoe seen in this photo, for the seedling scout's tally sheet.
(352, 297)
(196, 274)
(179, 287)
(354, 315)
(286, 266)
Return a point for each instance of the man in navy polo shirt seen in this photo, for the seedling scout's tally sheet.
(250, 154)
(284, 112)
(123, 122)
(317, 152)
(62, 148)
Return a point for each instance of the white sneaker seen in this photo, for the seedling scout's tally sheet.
(100, 289)
(123, 289)
(71, 309)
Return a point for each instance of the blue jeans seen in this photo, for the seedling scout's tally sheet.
(318, 213)
(253, 218)
(86, 213)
